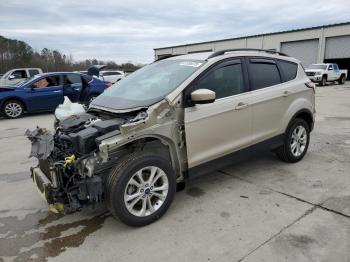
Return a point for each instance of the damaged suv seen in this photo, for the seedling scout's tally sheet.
(171, 120)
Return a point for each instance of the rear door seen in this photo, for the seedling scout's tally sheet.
(72, 85)
(336, 72)
(270, 97)
(224, 126)
(45, 93)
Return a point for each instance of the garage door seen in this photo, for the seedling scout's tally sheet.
(338, 47)
(306, 51)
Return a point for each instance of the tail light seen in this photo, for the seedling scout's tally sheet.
(311, 85)
(108, 85)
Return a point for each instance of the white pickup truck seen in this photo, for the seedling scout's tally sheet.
(17, 75)
(323, 73)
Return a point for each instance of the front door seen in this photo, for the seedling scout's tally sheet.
(224, 126)
(46, 93)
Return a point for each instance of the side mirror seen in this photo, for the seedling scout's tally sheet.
(11, 77)
(203, 96)
(330, 68)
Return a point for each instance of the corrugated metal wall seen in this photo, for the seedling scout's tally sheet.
(338, 47)
(306, 51)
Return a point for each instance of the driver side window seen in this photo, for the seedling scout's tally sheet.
(18, 74)
(47, 82)
(225, 80)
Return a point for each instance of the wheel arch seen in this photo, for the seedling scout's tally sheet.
(306, 115)
(301, 107)
(13, 98)
(157, 144)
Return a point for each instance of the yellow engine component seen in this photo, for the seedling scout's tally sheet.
(69, 160)
(56, 208)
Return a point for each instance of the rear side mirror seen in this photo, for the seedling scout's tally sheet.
(203, 96)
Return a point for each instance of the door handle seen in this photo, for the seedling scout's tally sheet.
(285, 93)
(57, 91)
(241, 105)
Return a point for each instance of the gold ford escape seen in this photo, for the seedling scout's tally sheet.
(171, 120)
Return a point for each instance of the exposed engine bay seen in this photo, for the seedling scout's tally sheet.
(71, 173)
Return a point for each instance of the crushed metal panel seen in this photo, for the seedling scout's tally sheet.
(42, 142)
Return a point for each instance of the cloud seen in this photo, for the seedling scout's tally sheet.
(129, 30)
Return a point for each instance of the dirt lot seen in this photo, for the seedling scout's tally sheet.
(259, 210)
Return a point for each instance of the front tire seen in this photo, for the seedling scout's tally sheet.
(296, 142)
(12, 109)
(140, 188)
(323, 81)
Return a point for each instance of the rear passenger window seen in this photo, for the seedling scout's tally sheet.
(33, 72)
(72, 79)
(289, 70)
(224, 81)
(263, 73)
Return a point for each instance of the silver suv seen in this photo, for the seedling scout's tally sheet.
(169, 121)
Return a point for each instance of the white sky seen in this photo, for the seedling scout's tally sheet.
(123, 30)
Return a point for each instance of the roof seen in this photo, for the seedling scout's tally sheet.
(231, 53)
(258, 35)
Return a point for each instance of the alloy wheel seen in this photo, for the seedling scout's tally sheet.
(146, 191)
(298, 141)
(13, 109)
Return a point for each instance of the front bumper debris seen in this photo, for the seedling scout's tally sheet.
(44, 187)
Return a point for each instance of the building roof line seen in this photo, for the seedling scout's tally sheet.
(257, 35)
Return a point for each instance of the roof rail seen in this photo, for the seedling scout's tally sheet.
(165, 57)
(222, 52)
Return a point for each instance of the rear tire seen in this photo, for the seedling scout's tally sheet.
(12, 109)
(323, 81)
(296, 142)
(341, 80)
(140, 188)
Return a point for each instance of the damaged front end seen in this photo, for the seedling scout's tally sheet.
(70, 170)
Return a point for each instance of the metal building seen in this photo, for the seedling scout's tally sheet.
(328, 43)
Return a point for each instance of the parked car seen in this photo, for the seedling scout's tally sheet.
(323, 73)
(111, 76)
(44, 92)
(171, 120)
(18, 75)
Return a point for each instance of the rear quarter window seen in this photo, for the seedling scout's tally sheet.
(263, 73)
(33, 72)
(288, 69)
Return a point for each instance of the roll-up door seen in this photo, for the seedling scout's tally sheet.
(306, 51)
(338, 47)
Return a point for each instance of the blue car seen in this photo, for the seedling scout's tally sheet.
(44, 92)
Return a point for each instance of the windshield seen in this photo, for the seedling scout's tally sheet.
(147, 85)
(323, 67)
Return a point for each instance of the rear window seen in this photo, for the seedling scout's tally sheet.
(72, 79)
(33, 72)
(263, 73)
(289, 70)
